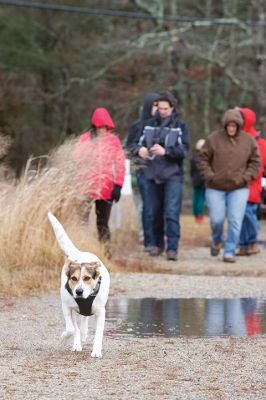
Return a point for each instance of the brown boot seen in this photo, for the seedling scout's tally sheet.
(242, 252)
(253, 248)
(215, 249)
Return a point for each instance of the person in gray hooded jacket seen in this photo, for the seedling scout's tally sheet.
(143, 203)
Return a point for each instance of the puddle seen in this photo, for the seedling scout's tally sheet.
(149, 317)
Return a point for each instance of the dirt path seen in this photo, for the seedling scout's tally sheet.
(194, 262)
(35, 365)
(193, 257)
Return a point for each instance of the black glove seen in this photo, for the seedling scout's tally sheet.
(116, 193)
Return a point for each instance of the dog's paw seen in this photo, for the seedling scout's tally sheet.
(77, 347)
(67, 334)
(96, 354)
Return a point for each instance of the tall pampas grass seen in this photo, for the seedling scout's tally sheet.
(30, 258)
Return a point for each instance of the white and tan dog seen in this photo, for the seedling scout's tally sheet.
(84, 290)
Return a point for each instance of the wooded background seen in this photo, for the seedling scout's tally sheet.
(56, 67)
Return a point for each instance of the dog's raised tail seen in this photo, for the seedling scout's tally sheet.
(63, 240)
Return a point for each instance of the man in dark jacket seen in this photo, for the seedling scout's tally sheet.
(149, 108)
(228, 161)
(165, 145)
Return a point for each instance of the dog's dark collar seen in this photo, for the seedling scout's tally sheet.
(85, 305)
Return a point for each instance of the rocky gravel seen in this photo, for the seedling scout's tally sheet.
(35, 364)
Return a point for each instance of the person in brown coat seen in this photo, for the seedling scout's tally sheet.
(228, 161)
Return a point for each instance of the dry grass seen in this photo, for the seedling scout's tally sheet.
(29, 255)
(30, 258)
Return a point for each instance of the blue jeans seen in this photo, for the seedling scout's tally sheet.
(166, 207)
(146, 213)
(234, 201)
(250, 226)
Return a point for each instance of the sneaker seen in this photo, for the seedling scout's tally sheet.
(253, 248)
(156, 251)
(171, 255)
(215, 249)
(229, 259)
(242, 252)
(147, 249)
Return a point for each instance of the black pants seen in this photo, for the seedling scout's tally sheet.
(103, 212)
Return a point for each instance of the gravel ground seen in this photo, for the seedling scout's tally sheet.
(35, 364)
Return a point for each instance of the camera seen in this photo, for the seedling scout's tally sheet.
(158, 140)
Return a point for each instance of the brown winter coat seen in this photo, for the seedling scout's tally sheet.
(229, 163)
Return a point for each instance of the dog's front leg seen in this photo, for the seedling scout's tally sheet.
(98, 338)
(84, 328)
(69, 331)
(77, 339)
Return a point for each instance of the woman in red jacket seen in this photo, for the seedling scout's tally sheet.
(250, 226)
(101, 168)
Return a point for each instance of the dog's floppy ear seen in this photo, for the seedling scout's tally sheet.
(97, 269)
(93, 266)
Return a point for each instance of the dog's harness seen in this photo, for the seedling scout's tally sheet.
(85, 305)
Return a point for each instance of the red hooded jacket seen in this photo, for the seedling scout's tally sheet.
(100, 159)
(255, 187)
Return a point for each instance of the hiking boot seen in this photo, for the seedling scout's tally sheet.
(215, 249)
(253, 248)
(171, 255)
(242, 252)
(156, 251)
(229, 259)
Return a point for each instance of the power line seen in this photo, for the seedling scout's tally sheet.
(128, 14)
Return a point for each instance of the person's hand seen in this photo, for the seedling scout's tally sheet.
(116, 193)
(143, 153)
(157, 150)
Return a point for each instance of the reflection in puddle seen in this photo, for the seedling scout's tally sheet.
(150, 317)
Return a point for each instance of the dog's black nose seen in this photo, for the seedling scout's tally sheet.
(79, 291)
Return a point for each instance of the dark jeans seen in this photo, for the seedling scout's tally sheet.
(166, 207)
(143, 185)
(103, 212)
(250, 226)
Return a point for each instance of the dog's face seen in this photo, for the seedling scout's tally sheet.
(82, 277)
